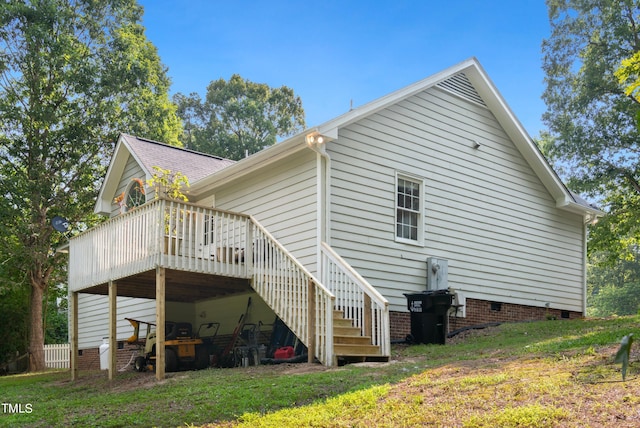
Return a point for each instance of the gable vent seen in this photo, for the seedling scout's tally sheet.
(462, 87)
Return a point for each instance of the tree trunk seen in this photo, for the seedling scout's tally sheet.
(36, 334)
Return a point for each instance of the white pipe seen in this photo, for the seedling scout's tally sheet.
(324, 204)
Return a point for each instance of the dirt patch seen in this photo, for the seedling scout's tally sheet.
(131, 380)
(473, 332)
(286, 368)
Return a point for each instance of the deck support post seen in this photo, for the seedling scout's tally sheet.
(160, 320)
(73, 335)
(366, 316)
(113, 346)
(311, 320)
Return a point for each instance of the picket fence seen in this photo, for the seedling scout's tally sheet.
(57, 356)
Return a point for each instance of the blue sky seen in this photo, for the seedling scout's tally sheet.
(334, 52)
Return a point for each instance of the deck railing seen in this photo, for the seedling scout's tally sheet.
(357, 299)
(164, 233)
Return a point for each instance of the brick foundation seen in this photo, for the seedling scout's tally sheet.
(481, 312)
(90, 358)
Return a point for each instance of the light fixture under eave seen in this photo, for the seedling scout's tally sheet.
(590, 219)
(314, 138)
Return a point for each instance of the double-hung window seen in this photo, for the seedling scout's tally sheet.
(409, 218)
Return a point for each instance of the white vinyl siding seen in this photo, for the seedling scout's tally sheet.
(93, 317)
(486, 210)
(132, 170)
(282, 198)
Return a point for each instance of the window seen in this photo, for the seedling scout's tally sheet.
(135, 194)
(409, 209)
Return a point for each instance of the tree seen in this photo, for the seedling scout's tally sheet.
(589, 114)
(238, 117)
(590, 62)
(73, 73)
(587, 109)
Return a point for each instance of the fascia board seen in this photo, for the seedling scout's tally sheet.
(111, 179)
(521, 138)
(330, 127)
(575, 207)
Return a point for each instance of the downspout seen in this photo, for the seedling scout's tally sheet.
(317, 143)
(584, 269)
(589, 219)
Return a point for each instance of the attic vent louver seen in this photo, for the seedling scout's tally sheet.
(462, 87)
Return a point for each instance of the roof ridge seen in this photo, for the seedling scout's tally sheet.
(160, 143)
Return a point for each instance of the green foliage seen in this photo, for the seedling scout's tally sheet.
(628, 75)
(592, 119)
(612, 300)
(169, 184)
(73, 74)
(238, 117)
(616, 236)
(622, 356)
(591, 61)
(56, 317)
(613, 286)
(14, 313)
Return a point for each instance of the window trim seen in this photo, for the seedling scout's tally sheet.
(135, 182)
(420, 233)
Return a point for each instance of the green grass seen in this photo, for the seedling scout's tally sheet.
(544, 373)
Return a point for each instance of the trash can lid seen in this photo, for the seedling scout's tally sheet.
(428, 293)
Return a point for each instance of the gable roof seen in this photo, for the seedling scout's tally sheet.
(467, 79)
(148, 153)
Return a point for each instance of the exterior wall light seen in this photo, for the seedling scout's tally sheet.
(314, 139)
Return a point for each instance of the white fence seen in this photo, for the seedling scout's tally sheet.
(57, 356)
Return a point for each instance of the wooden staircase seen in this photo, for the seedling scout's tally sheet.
(349, 345)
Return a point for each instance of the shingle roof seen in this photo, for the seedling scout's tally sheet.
(192, 164)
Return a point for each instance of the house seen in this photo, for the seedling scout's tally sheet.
(333, 226)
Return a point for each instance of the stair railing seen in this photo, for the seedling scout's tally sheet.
(357, 299)
(294, 294)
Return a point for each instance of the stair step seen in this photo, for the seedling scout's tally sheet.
(355, 350)
(353, 340)
(348, 342)
(342, 322)
(346, 331)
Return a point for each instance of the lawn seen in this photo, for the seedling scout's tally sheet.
(547, 373)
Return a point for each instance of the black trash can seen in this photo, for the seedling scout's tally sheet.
(429, 316)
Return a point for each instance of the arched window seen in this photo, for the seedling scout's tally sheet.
(135, 194)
